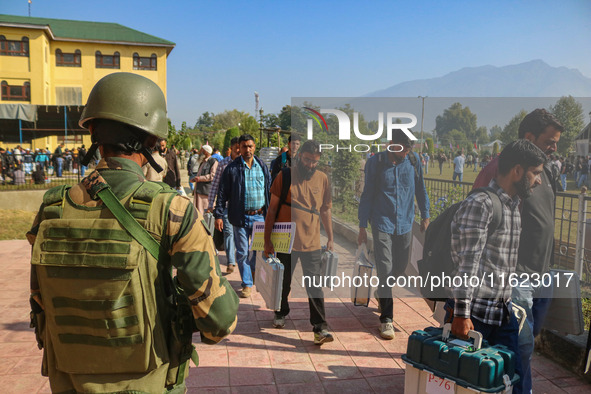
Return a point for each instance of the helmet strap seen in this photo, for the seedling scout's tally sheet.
(89, 154)
(148, 155)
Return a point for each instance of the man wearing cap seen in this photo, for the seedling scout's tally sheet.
(203, 179)
(107, 312)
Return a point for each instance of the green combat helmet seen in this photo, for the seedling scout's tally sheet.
(132, 100)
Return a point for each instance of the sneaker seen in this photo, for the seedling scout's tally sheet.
(322, 337)
(387, 330)
(279, 321)
(230, 268)
(245, 293)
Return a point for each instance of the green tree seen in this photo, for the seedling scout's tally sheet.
(270, 120)
(569, 113)
(495, 133)
(457, 118)
(293, 118)
(511, 130)
(496, 149)
(430, 145)
(205, 122)
(456, 137)
(481, 135)
(230, 133)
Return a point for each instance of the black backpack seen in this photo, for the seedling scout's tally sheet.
(437, 259)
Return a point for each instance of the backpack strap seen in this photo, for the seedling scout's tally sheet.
(415, 164)
(497, 208)
(285, 185)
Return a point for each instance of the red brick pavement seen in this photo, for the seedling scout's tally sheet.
(257, 358)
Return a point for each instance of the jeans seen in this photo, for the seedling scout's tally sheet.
(59, 163)
(506, 335)
(582, 180)
(82, 170)
(563, 181)
(459, 175)
(192, 184)
(229, 246)
(246, 264)
(535, 301)
(311, 267)
(392, 253)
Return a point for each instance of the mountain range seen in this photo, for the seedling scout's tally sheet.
(530, 79)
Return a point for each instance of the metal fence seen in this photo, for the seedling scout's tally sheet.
(69, 176)
(572, 226)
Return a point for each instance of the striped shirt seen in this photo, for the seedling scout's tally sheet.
(254, 182)
(490, 258)
(215, 184)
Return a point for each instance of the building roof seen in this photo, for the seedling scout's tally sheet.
(69, 30)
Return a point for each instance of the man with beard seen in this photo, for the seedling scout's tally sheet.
(203, 178)
(245, 187)
(172, 177)
(307, 202)
(537, 236)
(487, 307)
(393, 178)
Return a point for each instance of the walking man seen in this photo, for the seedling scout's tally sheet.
(459, 161)
(245, 188)
(487, 308)
(228, 230)
(537, 231)
(203, 178)
(307, 202)
(172, 177)
(393, 178)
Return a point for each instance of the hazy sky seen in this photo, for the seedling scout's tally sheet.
(227, 50)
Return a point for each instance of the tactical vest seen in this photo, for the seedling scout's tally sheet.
(107, 305)
(205, 187)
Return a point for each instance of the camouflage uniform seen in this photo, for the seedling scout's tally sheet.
(213, 302)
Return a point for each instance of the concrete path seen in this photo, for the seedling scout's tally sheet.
(257, 358)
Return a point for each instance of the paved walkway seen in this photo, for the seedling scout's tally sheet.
(257, 358)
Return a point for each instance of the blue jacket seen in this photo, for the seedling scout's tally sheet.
(387, 200)
(232, 190)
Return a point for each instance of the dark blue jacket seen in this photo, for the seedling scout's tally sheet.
(232, 190)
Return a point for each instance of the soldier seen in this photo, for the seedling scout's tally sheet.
(107, 311)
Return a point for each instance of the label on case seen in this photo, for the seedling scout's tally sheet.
(437, 385)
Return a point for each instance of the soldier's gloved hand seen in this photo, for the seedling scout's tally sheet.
(219, 224)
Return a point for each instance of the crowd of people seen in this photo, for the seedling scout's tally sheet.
(239, 190)
(20, 165)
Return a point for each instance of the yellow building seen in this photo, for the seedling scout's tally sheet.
(54, 63)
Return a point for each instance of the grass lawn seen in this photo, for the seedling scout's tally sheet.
(470, 176)
(16, 223)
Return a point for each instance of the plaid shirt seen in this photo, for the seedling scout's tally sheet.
(493, 258)
(254, 182)
(215, 184)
